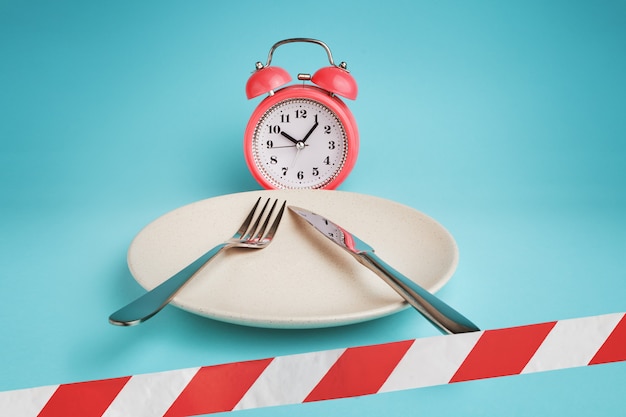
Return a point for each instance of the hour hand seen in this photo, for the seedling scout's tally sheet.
(289, 137)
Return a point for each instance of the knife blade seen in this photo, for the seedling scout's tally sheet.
(437, 312)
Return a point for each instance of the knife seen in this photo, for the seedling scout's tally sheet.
(441, 315)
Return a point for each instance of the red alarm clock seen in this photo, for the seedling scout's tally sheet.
(301, 135)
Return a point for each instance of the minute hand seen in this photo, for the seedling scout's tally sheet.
(310, 132)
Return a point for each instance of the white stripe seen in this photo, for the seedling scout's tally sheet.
(572, 343)
(25, 402)
(431, 361)
(150, 395)
(289, 379)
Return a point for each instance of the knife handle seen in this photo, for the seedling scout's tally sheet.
(441, 315)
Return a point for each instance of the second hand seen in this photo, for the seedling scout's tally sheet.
(299, 147)
(286, 146)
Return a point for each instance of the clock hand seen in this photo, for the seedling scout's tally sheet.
(310, 131)
(289, 137)
(293, 163)
(299, 147)
(288, 146)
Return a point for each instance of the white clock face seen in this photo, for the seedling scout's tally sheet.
(299, 143)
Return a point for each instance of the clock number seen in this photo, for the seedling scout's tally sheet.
(270, 144)
(274, 128)
(300, 175)
(327, 129)
(331, 144)
(327, 160)
(285, 171)
(284, 118)
(273, 160)
(300, 114)
(316, 172)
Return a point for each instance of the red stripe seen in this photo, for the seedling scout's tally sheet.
(502, 352)
(85, 399)
(217, 388)
(614, 348)
(359, 371)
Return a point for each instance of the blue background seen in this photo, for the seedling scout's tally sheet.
(505, 121)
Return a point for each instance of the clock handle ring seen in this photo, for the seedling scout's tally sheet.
(308, 40)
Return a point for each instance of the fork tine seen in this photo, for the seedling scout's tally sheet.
(246, 223)
(274, 227)
(259, 234)
(252, 229)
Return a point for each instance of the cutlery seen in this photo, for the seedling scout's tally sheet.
(250, 237)
(441, 315)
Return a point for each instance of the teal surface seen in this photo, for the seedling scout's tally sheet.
(505, 121)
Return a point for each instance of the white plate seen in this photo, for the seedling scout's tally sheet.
(302, 280)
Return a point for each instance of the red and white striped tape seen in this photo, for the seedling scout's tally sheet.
(332, 374)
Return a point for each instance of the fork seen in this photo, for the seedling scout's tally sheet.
(250, 237)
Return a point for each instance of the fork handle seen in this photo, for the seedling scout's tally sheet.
(154, 300)
(441, 315)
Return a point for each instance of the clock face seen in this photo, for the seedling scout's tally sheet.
(299, 143)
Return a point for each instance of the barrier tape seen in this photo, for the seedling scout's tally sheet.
(333, 374)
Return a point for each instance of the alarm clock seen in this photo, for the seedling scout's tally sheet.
(301, 136)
